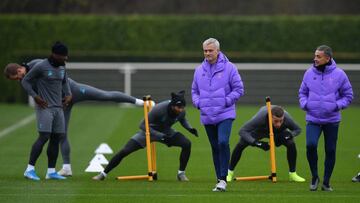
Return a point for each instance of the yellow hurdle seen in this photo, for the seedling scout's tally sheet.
(272, 143)
(150, 148)
(139, 177)
(272, 177)
(153, 159)
(252, 178)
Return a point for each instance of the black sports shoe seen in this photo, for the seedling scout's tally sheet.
(356, 178)
(327, 188)
(314, 184)
(100, 176)
(182, 177)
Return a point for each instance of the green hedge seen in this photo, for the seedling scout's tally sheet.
(176, 38)
(147, 34)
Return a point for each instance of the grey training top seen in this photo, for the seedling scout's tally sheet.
(48, 82)
(258, 127)
(32, 63)
(82, 92)
(161, 119)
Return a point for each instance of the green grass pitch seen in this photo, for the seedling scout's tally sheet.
(93, 124)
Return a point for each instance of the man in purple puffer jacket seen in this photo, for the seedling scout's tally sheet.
(324, 91)
(216, 87)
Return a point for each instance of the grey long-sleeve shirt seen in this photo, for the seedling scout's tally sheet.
(258, 127)
(161, 120)
(31, 64)
(82, 92)
(48, 82)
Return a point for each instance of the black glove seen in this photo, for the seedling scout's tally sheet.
(287, 135)
(263, 145)
(165, 138)
(194, 132)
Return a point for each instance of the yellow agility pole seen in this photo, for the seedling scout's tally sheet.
(147, 134)
(252, 178)
(272, 150)
(153, 148)
(139, 177)
(150, 147)
(153, 159)
(272, 143)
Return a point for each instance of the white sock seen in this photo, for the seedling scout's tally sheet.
(139, 102)
(230, 171)
(104, 174)
(179, 172)
(67, 166)
(30, 167)
(51, 170)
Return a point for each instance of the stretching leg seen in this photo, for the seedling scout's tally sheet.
(236, 154)
(129, 148)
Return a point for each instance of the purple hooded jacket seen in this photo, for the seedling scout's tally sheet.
(215, 90)
(323, 94)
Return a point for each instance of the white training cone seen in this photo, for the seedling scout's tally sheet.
(99, 158)
(104, 149)
(94, 167)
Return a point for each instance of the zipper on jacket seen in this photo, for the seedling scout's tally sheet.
(321, 98)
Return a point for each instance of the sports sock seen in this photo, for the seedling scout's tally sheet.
(30, 167)
(139, 102)
(67, 166)
(51, 170)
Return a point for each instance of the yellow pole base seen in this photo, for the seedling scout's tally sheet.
(139, 177)
(252, 178)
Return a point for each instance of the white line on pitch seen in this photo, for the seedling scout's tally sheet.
(17, 125)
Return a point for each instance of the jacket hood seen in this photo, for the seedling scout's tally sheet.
(328, 68)
(221, 60)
